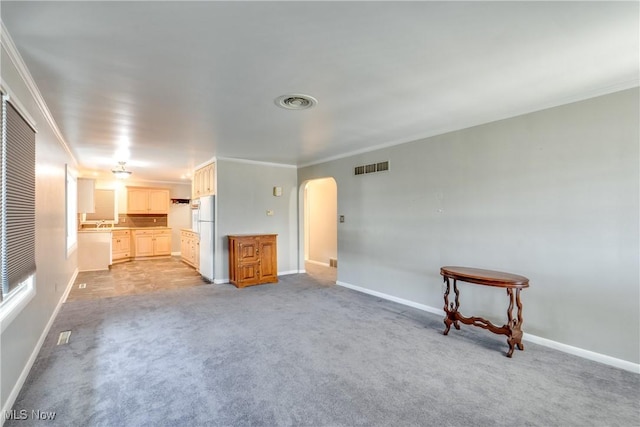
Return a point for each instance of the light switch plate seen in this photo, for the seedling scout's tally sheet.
(269, 212)
(277, 191)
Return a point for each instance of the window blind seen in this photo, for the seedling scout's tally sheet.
(17, 200)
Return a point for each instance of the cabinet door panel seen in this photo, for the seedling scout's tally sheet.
(137, 201)
(144, 245)
(248, 274)
(248, 251)
(162, 244)
(268, 264)
(159, 201)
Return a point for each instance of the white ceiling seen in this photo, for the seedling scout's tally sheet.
(182, 82)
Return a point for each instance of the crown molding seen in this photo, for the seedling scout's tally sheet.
(478, 121)
(10, 96)
(16, 59)
(203, 164)
(257, 162)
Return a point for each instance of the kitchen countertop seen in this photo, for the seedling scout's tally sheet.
(109, 229)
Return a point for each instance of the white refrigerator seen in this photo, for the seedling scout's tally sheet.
(206, 226)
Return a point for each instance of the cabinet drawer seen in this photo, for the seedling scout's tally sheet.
(143, 232)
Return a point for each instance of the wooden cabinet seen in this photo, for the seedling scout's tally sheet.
(190, 247)
(120, 245)
(253, 259)
(143, 200)
(204, 181)
(148, 243)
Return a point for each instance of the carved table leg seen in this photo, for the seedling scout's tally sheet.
(456, 323)
(515, 325)
(451, 309)
(519, 325)
(447, 318)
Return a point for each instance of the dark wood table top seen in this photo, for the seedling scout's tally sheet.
(485, 277)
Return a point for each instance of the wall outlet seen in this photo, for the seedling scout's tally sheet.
(154, 220)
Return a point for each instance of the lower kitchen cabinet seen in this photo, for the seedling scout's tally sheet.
(120, 245)
(253, 259)
(190, 248)
(148, 243)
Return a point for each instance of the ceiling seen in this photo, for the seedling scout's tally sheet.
(169, 85)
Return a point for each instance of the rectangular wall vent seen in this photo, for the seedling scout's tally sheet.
(382, 166)
(371, 168)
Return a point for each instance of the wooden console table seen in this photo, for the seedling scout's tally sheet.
(513, 328)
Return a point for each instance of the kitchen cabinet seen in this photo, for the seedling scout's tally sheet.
(190, 248)
(253, 259)
(142, 200)
(151, 243)
(203, 183)
(120, 245)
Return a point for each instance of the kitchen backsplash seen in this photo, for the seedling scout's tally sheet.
(142, 220)
(133, 221)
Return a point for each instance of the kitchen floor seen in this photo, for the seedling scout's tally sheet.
(134, 278)
(321, 272)
(139, 277)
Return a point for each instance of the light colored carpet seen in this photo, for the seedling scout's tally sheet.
(303, 352)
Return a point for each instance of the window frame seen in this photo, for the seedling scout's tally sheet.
(16, 299)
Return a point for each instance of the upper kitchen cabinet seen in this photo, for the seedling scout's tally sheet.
(204, 180)
(143, 200)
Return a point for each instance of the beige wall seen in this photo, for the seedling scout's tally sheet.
(552, 195)
(55, 271)
(321, 215)
(244, 194)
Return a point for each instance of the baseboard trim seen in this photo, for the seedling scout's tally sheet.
(392, 298)
(585, 354)
(280, 273)
(324, 264)
(68, 290)
(565, 348)
(176, 253)
(285, 273)
(34, 354)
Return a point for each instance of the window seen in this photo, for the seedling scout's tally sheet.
(17, 205)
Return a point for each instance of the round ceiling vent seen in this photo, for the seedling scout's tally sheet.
(296, 101)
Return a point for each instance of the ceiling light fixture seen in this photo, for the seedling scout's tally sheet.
(120, 172)
(296, 101)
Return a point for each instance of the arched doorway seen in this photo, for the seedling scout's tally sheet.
(320, 228)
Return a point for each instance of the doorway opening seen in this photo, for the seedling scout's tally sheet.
(320, 229)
